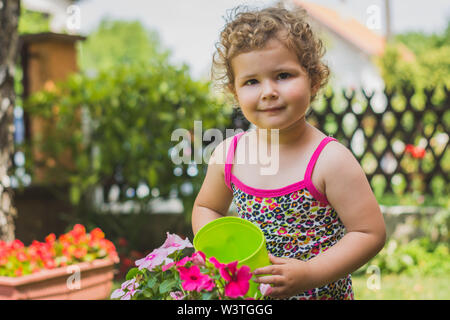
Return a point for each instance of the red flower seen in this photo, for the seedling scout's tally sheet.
(49, 264)
(127, 262)
(21, 256)
(50, 238)
(97, 233)
(123, 242)
(80, 252)
(79, 230)
(17, 244)
(419, 153)
(409, 148)
(416, 152)
(64, 238)
(54, 252)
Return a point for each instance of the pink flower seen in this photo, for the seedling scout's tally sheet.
(237, 279)
(177, 295)
(198, 258)
(216, 263)
(168, 266)
(175, 243)
(209, 284)
(126, 290)
(183, 261)
(265, 289)
(192, 279)
(153, 259)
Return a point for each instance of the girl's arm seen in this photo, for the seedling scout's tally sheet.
(214, 197)
(349, 193)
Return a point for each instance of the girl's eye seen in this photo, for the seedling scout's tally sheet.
(250, 82)
(284, 75)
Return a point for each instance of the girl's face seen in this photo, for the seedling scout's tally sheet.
(268, 78)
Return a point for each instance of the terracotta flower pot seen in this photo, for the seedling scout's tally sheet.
(82, 281)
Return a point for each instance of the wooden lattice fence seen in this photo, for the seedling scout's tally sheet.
(379, 134)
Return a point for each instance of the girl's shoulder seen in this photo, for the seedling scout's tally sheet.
(336, 158)
(334, 148)
(336, 152)
(219, 155)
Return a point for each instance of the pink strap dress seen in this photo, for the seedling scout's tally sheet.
(297, 220)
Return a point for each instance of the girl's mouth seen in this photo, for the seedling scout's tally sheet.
(271, 110)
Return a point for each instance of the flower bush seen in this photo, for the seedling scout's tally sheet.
(418, 257)
(167, 273)
(73, 247)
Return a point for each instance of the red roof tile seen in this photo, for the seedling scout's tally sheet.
(350, 30)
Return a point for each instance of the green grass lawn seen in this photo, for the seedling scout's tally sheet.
(396, 287)
(403, 287)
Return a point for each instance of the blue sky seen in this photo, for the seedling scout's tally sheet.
(191, 28)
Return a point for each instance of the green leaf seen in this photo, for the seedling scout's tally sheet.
(89, 257)
(207, 295)
(167, 285)
(147, 293)
(132, 273)
(75, 194)
(152, 176)
(166, 116)
(152, 282)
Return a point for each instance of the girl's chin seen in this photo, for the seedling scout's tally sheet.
(279, 124)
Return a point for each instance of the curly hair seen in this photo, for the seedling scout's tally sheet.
(250, 29)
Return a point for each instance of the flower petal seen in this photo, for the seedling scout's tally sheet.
(117, 293)
(216, 262)
(233, 290)
(265, 289)
(244, 273)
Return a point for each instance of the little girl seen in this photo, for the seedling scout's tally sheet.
(318, 213)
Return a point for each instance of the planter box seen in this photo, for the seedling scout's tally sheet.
(82, 281)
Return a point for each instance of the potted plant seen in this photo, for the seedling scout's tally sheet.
(170, 273)
(77, 265)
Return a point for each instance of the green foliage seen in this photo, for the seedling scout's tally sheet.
(415, 198)
(429, 70)
(419, 256)
(424, 256)
(117, 127)
(119, 42)
(420, 43)
(29, 22)
(33, 22)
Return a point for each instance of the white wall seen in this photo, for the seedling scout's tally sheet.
(350, 67)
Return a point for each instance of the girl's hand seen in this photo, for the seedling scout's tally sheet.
(287, 276)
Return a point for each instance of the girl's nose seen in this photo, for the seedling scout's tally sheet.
(269, 91)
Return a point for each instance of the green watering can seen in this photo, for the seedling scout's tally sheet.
(231, 238)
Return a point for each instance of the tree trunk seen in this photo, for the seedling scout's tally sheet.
(9, 19)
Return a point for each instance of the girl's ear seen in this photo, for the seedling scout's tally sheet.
(231, 89)
(314, 89)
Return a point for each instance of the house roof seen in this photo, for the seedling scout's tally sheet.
(49, 36)
(351, 30)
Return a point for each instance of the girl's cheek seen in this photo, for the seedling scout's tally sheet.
(301, 95)
(248, 98)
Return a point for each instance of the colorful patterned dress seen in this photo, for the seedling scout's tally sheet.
(296, 220)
